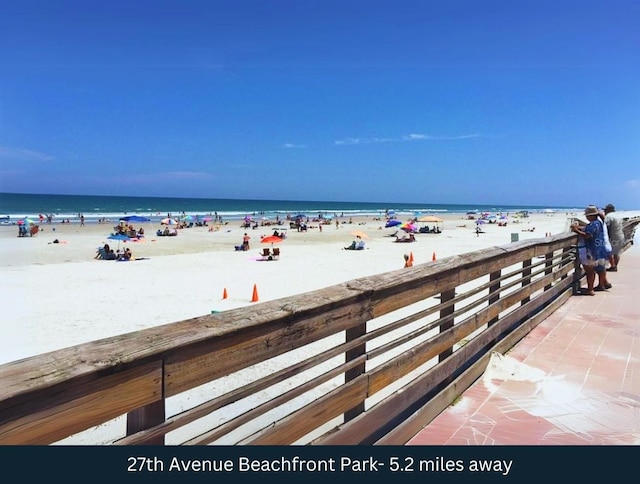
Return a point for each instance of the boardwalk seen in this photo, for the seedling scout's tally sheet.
(574, 380)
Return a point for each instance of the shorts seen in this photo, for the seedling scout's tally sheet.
(599, 264)
(616, 248)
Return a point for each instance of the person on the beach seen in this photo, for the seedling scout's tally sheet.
(592, 251)
(352, 246)
(616, 236)
(245, 242)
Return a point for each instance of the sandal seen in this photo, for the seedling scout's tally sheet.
(600, 288)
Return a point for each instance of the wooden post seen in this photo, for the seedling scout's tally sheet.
(577, 273)
(565, 253)
(356, 371)
(549, 269)
(146, 417)
(447, 311)
(526, 271)
(494, 291)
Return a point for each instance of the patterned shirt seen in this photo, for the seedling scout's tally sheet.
(595, 244)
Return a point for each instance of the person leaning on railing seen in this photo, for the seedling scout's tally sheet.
(592, 251)
(616, 236)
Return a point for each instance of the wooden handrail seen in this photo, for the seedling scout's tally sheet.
(350, 363)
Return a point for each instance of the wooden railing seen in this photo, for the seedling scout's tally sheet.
(369, 361)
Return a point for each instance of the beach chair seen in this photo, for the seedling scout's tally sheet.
(266, 252)
(276, 252)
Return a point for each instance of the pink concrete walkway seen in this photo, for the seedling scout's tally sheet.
(574, 380)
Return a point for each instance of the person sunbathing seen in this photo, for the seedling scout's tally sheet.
(352, 246)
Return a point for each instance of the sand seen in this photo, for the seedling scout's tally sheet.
(56, 295)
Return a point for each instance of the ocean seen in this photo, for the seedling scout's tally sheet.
(14, 206)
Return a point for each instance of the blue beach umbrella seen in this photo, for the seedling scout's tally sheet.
(393, 223)
(135, 218)
(119, 237)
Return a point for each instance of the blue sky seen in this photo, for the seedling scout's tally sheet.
(532, 102)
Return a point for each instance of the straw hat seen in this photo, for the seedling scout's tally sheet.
(591, 210)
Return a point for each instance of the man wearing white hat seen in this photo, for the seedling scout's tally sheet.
(616, 235)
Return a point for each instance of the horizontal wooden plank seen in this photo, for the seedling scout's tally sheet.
(44, 421)
(314, 415)
(214, 359)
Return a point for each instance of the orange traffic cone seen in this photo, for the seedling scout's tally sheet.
(410, 256)
(433, 256)
(224, 293)
(254, 298)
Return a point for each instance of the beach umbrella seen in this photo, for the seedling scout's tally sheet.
(360, 233)
(135, 218)
(119, 237)
(393, 223)
(408, 227)
(430, 218)
(26, 221)
(271, 239)
(480, 221)
(168, 221)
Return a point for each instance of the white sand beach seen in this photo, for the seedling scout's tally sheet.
(56, 295)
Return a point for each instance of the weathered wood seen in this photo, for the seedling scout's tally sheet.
(361, 429)
(146, 417)
(411, 425)
(213, 359)
(308, 418)
(250, 388)
(210, 436)
(448, 322)
(59, 415)
(352, 374)
(90, 384)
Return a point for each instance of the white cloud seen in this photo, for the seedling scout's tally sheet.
(348, 141)
(17, 154)
(412, 137)
(408, 137)
(633, 183)
(292, 145)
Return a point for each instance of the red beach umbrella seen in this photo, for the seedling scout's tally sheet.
(270, 239)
